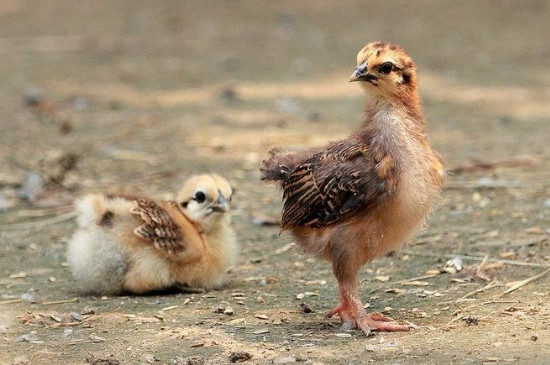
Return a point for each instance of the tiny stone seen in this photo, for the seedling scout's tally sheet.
(77, 316)
(27, 297)
(453, 266)
(300, 296)
(534, 338)
(228, 311)
(31, 187)
(87, 310)
(306, 308)
(33, 97)
(240, 356)
(150, 358)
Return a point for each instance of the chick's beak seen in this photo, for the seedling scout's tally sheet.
(221, 205)
(361, 74)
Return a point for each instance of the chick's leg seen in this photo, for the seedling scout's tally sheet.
(350, 309)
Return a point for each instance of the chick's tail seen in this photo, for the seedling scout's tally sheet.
(91, 210)
(277, 167)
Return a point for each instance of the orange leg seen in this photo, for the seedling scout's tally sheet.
(353, 315)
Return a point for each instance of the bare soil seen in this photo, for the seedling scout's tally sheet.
(134, 96)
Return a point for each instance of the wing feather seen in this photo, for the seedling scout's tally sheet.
(334, 183)
(158, 226)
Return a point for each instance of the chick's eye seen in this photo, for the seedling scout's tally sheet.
(200, 197)
(386, 68)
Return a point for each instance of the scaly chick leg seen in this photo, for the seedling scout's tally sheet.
(353, 315)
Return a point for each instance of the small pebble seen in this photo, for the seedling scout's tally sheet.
(77, 316)
(28, 297)
(87, 310)
(33, 97)
(306, 308)
(453, 266)
(31, 187)
(240, 356)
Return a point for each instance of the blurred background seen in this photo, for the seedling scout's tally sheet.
(134, 96)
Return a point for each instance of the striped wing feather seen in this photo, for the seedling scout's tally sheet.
(158, 226)
(330, 185)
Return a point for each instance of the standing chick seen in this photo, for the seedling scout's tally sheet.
(127, 244)
(356, 199)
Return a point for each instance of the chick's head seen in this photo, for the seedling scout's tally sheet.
(385, 71)
(206, 199)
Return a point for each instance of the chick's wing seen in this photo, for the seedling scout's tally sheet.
(158, 226)
(334, 183)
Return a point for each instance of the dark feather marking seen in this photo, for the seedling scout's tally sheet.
(106, 219)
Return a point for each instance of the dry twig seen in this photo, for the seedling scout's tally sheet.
(11, 301)
(479, 270)
(422, 277)
(34, 224)
(521, 283)
(72, 300)
(475, 258)
(491, 285)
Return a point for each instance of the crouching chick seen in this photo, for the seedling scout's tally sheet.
(137, 245)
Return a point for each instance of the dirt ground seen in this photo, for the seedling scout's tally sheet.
(134, 96)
